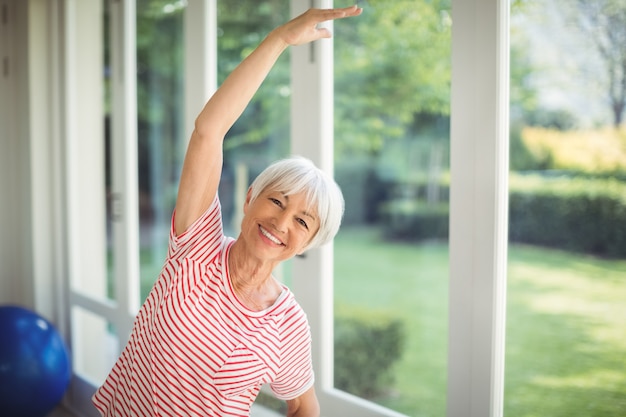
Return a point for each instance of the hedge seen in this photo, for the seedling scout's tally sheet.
(405, 219)
(577, 214)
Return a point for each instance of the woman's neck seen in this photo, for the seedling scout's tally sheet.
(252, 279)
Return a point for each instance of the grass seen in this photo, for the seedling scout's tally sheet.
(566, 335)
(409, 282)
(566, 324)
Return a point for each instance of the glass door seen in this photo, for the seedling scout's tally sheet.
(161, 131)
(392, 161)
(567, 260)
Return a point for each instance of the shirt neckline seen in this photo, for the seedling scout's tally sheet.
(230, 291)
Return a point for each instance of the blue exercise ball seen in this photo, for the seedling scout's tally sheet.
(35, 366)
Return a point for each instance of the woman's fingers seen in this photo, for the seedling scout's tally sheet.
(324, 15)
(304, 28)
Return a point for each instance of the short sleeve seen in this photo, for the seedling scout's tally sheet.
(296, 373)
(203, 234)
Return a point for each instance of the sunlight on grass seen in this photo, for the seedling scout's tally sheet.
(566, 324)
(410, 282)
(597, 378)
(566, 335)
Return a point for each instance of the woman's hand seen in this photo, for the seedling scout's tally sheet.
(304, 28)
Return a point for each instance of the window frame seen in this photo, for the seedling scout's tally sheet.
(478, 207)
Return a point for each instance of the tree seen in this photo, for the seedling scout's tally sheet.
(242, 25)
(604, 23)
(392, 65)
(386, 79)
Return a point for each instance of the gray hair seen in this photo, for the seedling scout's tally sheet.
(297, 174)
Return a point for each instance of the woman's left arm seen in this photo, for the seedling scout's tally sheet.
(306, 405)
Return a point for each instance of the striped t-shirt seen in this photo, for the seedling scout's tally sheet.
(195, 349)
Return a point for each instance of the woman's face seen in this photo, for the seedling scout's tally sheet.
(277, 226)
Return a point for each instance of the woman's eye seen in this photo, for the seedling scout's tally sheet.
(303, 223)
(276, 201)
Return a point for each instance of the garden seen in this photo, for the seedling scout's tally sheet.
(566, 283)
(566, 321)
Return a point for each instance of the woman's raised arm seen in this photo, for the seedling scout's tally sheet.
(203, 161)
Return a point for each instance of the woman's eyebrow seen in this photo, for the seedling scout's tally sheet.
(306, 213)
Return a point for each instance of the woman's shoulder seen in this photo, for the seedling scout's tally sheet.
(205, 233)
(291, 312)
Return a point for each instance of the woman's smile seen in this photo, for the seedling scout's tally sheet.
(270, 236)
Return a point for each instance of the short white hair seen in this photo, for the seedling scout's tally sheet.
(297, 174)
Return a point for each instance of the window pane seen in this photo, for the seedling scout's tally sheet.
(392, 94)
(160, 104)
(92, 337)
(567, 255)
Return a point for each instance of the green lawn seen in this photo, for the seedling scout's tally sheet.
(566, 335)
(566, 324)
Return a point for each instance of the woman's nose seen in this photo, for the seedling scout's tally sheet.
(282, 222)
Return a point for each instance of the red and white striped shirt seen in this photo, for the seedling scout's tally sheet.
(195, 349)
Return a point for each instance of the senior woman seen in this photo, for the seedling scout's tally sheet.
(217, 325)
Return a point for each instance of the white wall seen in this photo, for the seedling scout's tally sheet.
(29, 162)
(15, 248)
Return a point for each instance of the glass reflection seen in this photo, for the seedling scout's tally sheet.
(161, 141)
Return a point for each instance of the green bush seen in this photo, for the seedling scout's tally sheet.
(580, 214)
(367, 344)
(362, 189)
(552, 119)
(576, 214)
(521, 158)
(406, 219)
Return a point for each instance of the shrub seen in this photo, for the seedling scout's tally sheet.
(407, 219)
(362, 189)
(521, 158)
(367, 344)
(576, 214)
(580, 214)
(552, 119)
